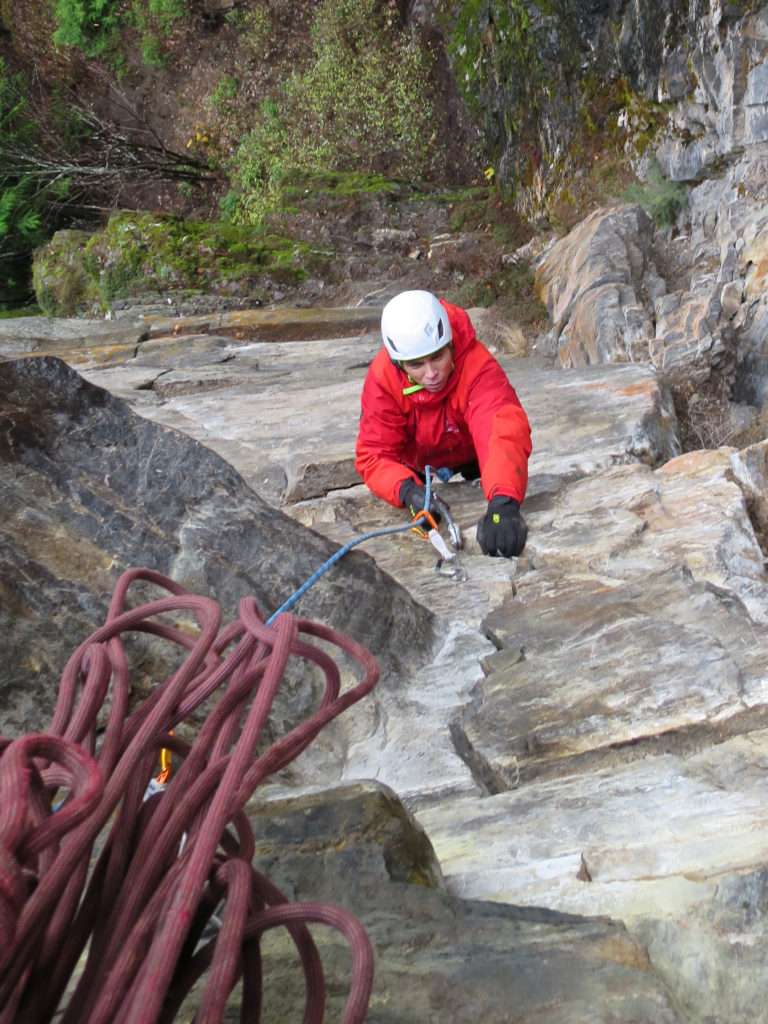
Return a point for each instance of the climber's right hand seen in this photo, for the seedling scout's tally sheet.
(414, 496)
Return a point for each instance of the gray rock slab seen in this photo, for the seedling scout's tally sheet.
(437, 957)
(90, 489)
(622, 410)
(650, 839)
(286, 416)
(404, 739)
(688, 340)
(289, 427)
(604, 665)
(186, 352)
(632, 520)
(590, 419)
(637, 606)
(281, 324)
(713, 960)
(43, 333)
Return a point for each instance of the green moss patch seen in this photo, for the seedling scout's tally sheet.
(138, 253)
(14, 314)
(300, 184)
(59, 276)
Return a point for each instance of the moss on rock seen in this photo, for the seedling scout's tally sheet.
(59, 275)
(139, 253)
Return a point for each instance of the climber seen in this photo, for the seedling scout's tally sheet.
(434, 395)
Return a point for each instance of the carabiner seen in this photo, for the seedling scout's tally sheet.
(423, 516)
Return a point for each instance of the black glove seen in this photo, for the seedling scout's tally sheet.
(502, 530)
(414, 495)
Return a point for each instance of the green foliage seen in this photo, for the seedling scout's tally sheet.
(88, 25)
(224, 93)
(364, 95)
(25, 198)
(14, 123)
(490, 40)
(16, 213)
(154, 19)
(139, 252)
(494, 51)
(254, 28)
(365, 101)
(93, 26)
(260, 164)
(152, 52)
(511, 290)
(661, 198)
(46, 175)
(166, 12)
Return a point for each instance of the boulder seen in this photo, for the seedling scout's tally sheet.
(436, 956)
(593, 282)
(89, 489)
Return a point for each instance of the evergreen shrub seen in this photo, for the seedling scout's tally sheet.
(364, 102)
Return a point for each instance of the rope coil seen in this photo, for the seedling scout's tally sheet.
(164, 863)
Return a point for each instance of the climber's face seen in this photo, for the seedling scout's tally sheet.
(432, 371)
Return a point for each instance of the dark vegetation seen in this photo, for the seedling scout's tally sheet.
(205, 111)
(213, 110)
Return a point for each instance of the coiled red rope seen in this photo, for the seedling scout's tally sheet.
(165, 863)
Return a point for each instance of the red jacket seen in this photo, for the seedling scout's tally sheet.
(476, 416)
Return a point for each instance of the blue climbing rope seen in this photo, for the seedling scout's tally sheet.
(383, 532)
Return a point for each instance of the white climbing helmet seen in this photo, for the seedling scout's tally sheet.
(414, 325)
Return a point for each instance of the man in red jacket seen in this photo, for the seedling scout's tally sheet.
(434, 395)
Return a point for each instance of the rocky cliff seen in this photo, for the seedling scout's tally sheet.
(556, 798)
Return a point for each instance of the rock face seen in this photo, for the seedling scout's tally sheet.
(593, 282)
(90, 489)
(588, 733)
(715, 141)
(436, 955)
(609, 303)
(686, 294)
